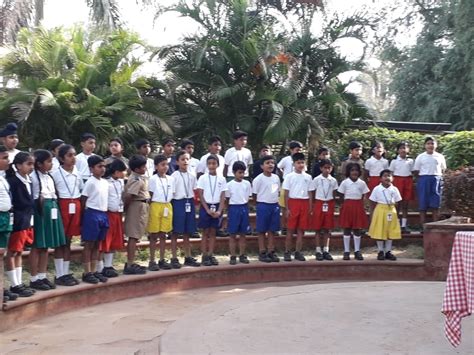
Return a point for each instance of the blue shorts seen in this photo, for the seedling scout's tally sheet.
(428, 189)
(183, 222)
(206, 221)
(95, 225)
(238, 219)
(268, 217)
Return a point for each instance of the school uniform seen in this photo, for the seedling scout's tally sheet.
(69, 186)
(374, 166)
(286, 165)
(6, 218)
(232, 155)
(298, 186)
(83, 166)
(352, 214)
(238, 194)
(192, 166)
(184, 211)
(316, 170)
(212, 186)
(95, 222)
(56, 164)
(161, 211)
(114, 238)
(150, 168)
(323, 207)
(384, 224)
(268, 210)
(136, 215)
(402, 176)
(12, 154)
(202, 166)
(257, 169)
(430, 169)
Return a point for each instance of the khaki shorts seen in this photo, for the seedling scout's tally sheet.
(136, 219)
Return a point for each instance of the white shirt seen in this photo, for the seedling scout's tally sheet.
(163, 188)
(202, 166)
(386, 196)
(298, 185)
(184, 185)
(82, 165)
(193, 164)
(212, 186)
(353, 190)
(375, 166)
(12, 154)
(5, 199)
(114, 201)
(401, 167)
(56, 164)
(150, 167)
(430, 164)
(97, 193)
(286, 165)
(232, 155)
(266, 188)
(47, 185)
(68, 185)
(324, 187)
(238, 193)
(26, 181)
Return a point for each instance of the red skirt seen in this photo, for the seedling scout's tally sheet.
(71, 222)
(404, 184)
(320, 219)
(373, 182)
(114, 238)
(353, 215)
(19, 239)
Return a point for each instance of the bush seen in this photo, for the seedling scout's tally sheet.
(458, 194)
(458, 148)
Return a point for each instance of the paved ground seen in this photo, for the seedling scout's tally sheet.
(336, 318)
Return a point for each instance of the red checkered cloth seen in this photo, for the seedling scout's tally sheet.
(459, 294)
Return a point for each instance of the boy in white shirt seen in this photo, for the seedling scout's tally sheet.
(88, 147)
(237, 153)
(144, 149)
(238, 193)
(214, 147)
(297, 186)
(188, 146)
(375, 164)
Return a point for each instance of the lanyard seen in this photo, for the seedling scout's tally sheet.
(386, 199)
(165, 191)
(71, 194)
(187, 186)
(325, 193)
(213, 190)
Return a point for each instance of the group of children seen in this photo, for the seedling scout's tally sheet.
(50, 196)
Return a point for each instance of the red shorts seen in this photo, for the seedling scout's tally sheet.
(19, 239)
(320, 219)
(404, 184)
(373, 182)
(299, 217)
(352, 215)
(114, 238)
(71, 222)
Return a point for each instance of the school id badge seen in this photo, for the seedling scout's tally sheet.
(187, 207)
(389, 217)
(325, 207)
(213, 208)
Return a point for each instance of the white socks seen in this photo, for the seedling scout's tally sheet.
(388, 245)
(404, 222)
(326, 249)
(41, 275)
(19, 274)
(34, 278)
(357, 243)
(66, 267)
(12, 278)
(380, 245)
(318, 249)
(58, 265)
(108, 259)
(100, 266)
(347, 243)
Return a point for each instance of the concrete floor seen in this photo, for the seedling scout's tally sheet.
(279, 318)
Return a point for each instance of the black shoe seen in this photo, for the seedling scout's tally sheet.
(206, 261)
(264, 257)
(221, 233)
(213, 259)
(190, 261)
(100, 277)
(195, 235)
(39, 285)
(65, 280)
(299, 256)
(153, 266)
(406, 230)
(346, 256)
(175, 263)
(10, 296)
(233, 260)
(327, 256)
(110, 272)
(319, 256)
(390, 256)
(49, 283)
(243, 259)
(287, 256)
(380, 256)
(358, 255)
(164, 265)
(273, 257)
(90, 278)
(133, 269)
(22, 291)
(72, 278)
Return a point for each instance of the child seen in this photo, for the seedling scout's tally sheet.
(355, 149)
(168, 152)
(23, 208)
(352, 216)
(9, 138)
(237, 153)
(265, 150)
(95, 222)
(238, 193)
(214, 147)
(211, 188)
(375, 164)
(325, 187)
(296, 187)
(266, 188)
(184, 212)
(188, 146)
(429, 167)
(115, 172)
(323, 154)
(160, 221)
(68, 187)
(88, 147)
(48, 226)
(384, 224)
(116, 151)
(54, 148)
(401, 168)
(144, 149)
(136, 198)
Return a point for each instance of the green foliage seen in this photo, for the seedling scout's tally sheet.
(458, 149)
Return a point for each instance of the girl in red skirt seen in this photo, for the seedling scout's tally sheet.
(353, 217)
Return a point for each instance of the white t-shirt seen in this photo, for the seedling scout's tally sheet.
(238, 193)
(374, 166)
(82, 165)
(68, 185)
(430, 164)
(47, 185)
(324, 187)
(401, 167)
(212, 186)
(266, 188)
(298, 185)
(150, 167)
(193, 164)
(163, 188)
(353, 190)
(202, 166)
(5, 200)
(97, 193)
(286, 165)
(232, 155)
(56, 164)
(184, 185)
(386, 196)
(115, 202)
(12, 154)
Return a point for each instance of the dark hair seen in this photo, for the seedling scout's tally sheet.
(239, 165)
(167, 140)
(430, 138)
(267, 157)
(265, 146)
(212, 157)
(55, 143)
(159, 158)
(238, 134)
(136, 161)
(40, 155)
(386, 171)
(350, 166)
(94, 160)
(3, 149)
(20, 158)
(295, 144)
(298, 156)
(375, 145)
(185, 143)
(180, 153)
(325, 162)
(402, 144)
(87, 136)
(118, 140)
(63, 151)
(115, 165)
(214, 139)
(141, 142)
(322, 150)
(354, 145)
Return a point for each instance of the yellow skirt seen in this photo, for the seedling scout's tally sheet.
(384, 224)
(281, 198)
(160, 220)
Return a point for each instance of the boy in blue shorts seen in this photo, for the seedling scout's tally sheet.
(266, 187)
(238, 193)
